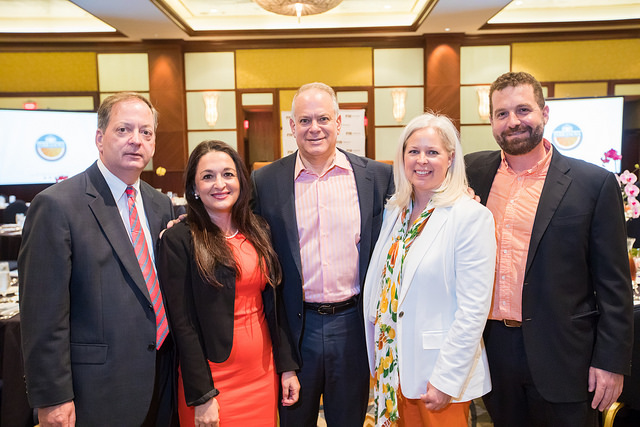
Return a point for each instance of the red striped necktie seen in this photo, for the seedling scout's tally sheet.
(146, 265)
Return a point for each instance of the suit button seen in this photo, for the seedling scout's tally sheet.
(401, 314)
(151, 346)
(299, 315)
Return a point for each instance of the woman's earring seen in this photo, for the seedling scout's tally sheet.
(196, 196)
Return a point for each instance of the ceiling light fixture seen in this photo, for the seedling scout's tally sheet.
(297, 7)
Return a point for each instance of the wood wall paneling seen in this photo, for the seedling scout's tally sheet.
(442, 74)
(166, 89)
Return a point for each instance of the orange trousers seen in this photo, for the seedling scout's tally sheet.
(412, 413)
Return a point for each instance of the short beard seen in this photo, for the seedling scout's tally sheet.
(523, 145)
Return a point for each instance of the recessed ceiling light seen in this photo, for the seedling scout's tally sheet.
(387, 6)
(447, 29)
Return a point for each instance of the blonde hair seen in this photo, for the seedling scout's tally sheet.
(454, 185)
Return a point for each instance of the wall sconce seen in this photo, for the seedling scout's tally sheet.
(483, 102)
(399, 97)
(211, 107)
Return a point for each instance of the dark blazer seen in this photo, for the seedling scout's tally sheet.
(274, 200)
(88, 325)
(201, 315)
(577, 305)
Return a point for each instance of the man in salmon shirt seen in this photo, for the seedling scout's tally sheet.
(560, 330)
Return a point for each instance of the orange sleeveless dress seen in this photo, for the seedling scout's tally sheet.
(247, 381)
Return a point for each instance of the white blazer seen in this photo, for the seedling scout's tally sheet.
(443, 301)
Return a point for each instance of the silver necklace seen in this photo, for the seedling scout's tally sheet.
(232, 236)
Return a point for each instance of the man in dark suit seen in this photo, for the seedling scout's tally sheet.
(559, 333)
(325, 208)
(95, 343)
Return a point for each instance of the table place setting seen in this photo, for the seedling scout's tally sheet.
(10, 229)
(8, 292)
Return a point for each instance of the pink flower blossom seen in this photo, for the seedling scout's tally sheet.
(612, 154)
(633, 202)
(631, 190)
(627, 177)
(635, 211)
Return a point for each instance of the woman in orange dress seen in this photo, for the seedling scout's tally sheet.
(218, 274)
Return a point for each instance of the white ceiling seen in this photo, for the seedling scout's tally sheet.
(135, 20)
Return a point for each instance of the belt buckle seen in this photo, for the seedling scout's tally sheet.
(326, 309)
(509, 323)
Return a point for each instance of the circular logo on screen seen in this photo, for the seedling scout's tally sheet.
(51, 147)
(567, 136)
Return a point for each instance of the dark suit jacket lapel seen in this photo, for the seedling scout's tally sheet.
(106, 212)
(554, 189)
(485, 175)
(365, 188)
(284, 185)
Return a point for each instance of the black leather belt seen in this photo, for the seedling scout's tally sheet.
(331, 307)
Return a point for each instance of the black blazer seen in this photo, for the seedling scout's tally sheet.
(274, 200)
(88, 325)
(577, 305)
(201, 315)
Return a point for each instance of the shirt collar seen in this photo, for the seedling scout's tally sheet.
(541, 166)
(116, 185)
(340, 160)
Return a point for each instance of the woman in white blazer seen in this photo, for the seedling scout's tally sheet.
(429, 284)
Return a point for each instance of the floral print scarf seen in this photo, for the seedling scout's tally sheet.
(386, 355)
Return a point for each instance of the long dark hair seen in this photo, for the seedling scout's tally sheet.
(210, 248)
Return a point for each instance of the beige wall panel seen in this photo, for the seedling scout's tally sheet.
(360, 96)
(209, 70)
(469, 106)
(483, 64)
(398, 67)
(72, 103)
(103, 95)
(123, 71)
(387, 142)
(195, 138)
(257, 99)
(268, 68)
(579, 60)
(580, 90)
(627, 89)
(48, 72)
(477, 138)
(384, 106)
(226, 111)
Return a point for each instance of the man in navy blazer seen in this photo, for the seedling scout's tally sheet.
(560, 350)
(328, 333)
(88, 323)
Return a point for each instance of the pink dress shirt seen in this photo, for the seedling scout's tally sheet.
(513, 200)
(328, 218)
